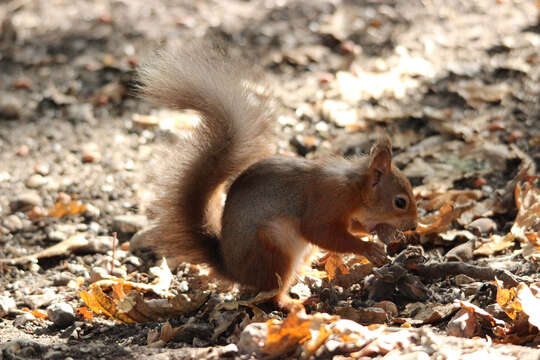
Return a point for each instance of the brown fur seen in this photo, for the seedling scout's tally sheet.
(275, 207)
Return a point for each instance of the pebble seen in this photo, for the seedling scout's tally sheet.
(25, 200)
(13, 223)
(36, 181)
(61, 314)
(56, 236)
(252, 338)
(81, 113)
(64, 198)
(10, 107)
(22, 319)
(119, 272)
(91, 153)
(76, 269)
(45, 298)
(301, 290)
(61, 232)
(22, 150)
(62, 278)
(134, 260)
(141, 239)
(322, 127)
(129, 224)
(99, 244)
(91, 212)
(81, 227)
(312, 281)
(35, 213)
(304, 144)
(94, 227)
(339, 113)
(98, 273)
(42, 169)
(6, 305)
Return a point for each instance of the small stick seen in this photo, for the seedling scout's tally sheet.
(113, 251)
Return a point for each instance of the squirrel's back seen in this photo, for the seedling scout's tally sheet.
(234, 131)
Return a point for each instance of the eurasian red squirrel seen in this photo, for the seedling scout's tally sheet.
(276, 206)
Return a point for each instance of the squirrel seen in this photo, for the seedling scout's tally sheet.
(276, 207)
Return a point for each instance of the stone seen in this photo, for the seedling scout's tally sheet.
(22, 319)
(25, 200)
(91, 153)
(45, 298)
(252, 338)
(81, 113)
(7, 304)
(10, 107)
(141, 239)
(56, 236)
(129, 224)
(91, 212)
(301, 290)
(36, 181)
(61, 314)
(98, 273)
(13, 223)
(99, 244)
(62, 278)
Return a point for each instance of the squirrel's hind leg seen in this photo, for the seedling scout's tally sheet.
(281, 239)
(271, 263)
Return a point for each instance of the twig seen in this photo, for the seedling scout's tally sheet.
(113, 251)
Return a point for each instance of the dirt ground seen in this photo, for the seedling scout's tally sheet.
(454, 83)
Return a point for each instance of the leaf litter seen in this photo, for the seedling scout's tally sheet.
(462, 125)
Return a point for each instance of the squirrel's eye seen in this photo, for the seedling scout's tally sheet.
(400, 202)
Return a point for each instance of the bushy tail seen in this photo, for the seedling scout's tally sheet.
(236, 122)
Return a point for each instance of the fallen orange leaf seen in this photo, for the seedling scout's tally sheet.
(284, 335)
(85, 313)
(73, 207)
(39, 314)
(334, 263)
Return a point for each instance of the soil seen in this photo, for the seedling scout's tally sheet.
(454, 84)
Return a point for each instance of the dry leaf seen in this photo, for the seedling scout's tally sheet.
(528, 217)
(333, 264)
(495, 244)
(364, 316)
(524, 228)
(39, 314)
(85, 313)
(463, 324)
(506, 298)
(446, 215)
(126, 301)
(529, 303)
(451, 196)
(312, 346)
(284, 336)
(167, 332)
(522, 305)
(61, 209)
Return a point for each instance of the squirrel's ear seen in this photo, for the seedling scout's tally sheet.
(380, 156)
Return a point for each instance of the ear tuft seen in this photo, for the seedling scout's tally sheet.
(380, 156)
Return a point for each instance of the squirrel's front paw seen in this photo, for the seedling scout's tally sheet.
(375, 253)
